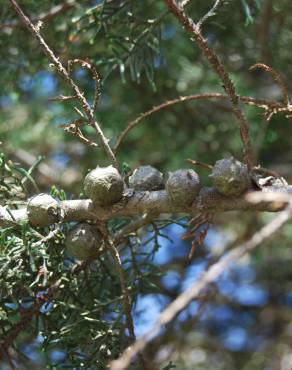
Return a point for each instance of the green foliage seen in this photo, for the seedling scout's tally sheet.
(12, 185)
(43, 294)
(144, 58)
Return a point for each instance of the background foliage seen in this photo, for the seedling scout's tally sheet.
(144, 58)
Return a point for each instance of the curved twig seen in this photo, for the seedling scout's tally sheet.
(261, 103)
(74, 128)
(210, 13)
(65, 75)
(92, 69)
(278, 79)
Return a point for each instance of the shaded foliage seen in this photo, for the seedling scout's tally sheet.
(143, 58)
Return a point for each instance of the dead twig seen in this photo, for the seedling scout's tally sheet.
(74, 129)
(62, 98)
(197, 37)
(125, 291)
(278, 79)
(197, 231)
(65, 75)
(261, 103)
(92, 69)
(210, 13)
(183, 3)
(197, 163)
(132, 227)
(193, 292)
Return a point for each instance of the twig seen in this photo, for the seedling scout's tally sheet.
(183, 3)
(157, 108)
(52, 13)
(210, 13)
(62, 98)
(191, 27)
(132, 227)
(125, 291)
(278, 79)
(261, 103)
(198, 236)
(74, 129)
(46, 238)
(197, 163)
(92, 69)
(65, 75)
(126, 296)
(208, 277)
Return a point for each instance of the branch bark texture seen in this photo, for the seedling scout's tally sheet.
(145, 202)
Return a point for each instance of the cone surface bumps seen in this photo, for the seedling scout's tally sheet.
(83, 241)
(183, 186)
(230, 177)
(104, 185)
(43, 210)
(146, 178)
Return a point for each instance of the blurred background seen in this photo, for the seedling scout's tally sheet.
(244, 320)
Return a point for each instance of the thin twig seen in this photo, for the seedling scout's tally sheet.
(52, 234)
(74, 129)
(210, 13)
(45, 16)
(132, 227)
(261, 103)
(197, 163)
(208, 277)
(196, 35)
(85, 64)
(125, 291)
(124, 287)
(65, 75)
(62, 98)
(183, 3)
(278, 79)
